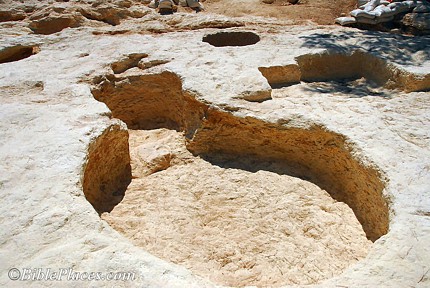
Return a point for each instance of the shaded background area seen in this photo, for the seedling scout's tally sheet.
(403, 49)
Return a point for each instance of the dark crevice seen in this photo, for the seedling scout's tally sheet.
(16, 53)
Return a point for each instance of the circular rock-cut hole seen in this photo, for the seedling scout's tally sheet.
(223, 39)
(238, 201)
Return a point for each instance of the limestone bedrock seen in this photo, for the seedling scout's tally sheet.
(50, 122)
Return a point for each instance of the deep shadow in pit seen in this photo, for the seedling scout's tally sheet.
(231, 38)
(107, 172)
(354, 88)
(152, 101)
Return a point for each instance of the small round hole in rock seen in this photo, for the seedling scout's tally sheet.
(223, 39)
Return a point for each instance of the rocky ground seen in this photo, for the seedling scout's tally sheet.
(231, 147)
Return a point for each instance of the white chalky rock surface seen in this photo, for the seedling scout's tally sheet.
(49, 117)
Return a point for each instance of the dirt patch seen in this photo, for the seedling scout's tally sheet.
(319, 11)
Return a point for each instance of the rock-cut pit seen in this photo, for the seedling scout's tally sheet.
(238, 201)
